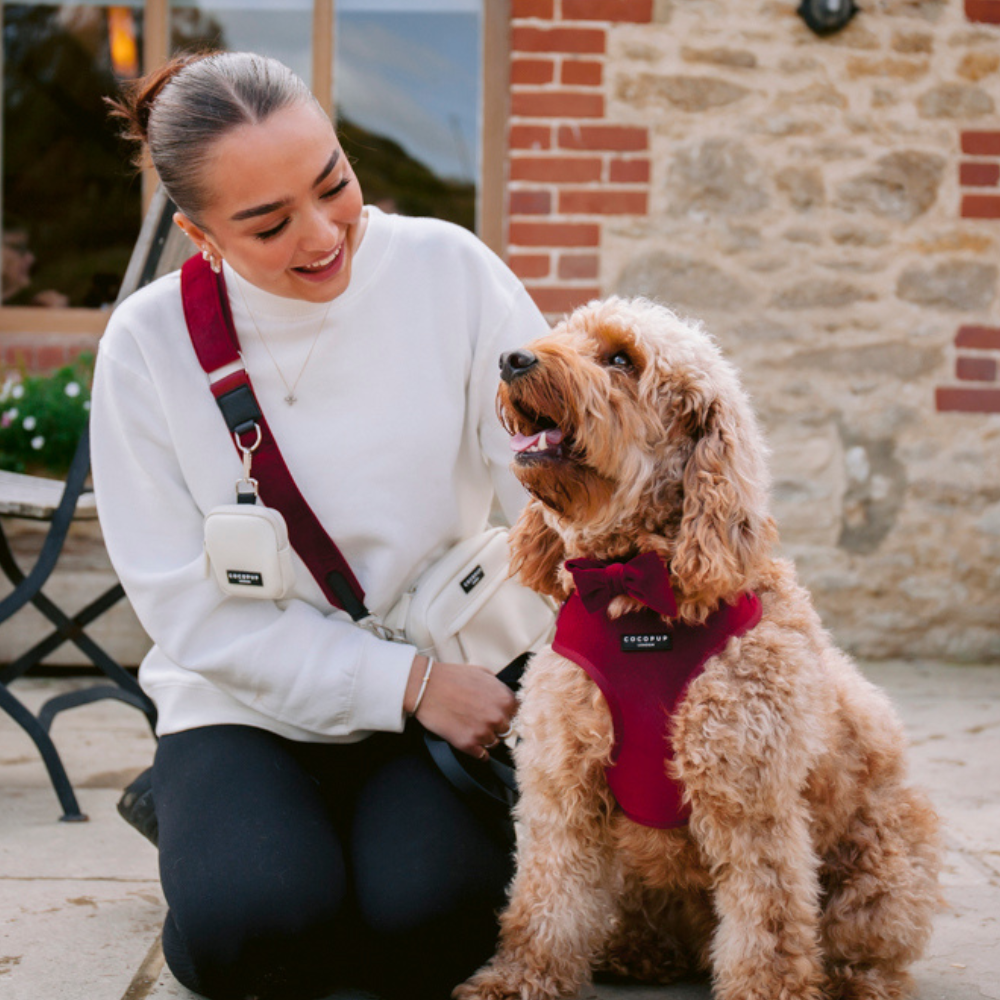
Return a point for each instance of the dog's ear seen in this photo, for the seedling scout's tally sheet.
(726, 530)
(537, 553)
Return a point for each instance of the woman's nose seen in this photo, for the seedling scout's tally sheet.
(320, 231)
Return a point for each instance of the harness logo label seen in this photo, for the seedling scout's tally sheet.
(244, 578)
(474, 578)
(644, 642)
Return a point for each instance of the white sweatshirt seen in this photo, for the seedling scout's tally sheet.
(394, 442)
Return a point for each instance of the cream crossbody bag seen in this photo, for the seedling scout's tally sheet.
(466, 608)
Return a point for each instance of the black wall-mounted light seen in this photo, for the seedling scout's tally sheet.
(827, 16)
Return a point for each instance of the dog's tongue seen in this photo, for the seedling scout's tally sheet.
(536, 442)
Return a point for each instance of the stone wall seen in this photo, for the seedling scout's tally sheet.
(824, 205)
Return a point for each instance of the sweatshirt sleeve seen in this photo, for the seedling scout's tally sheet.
(519, 323)
(286, 660)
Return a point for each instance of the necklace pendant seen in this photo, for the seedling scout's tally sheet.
(291, 398)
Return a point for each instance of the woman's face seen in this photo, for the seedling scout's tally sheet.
(284, 207)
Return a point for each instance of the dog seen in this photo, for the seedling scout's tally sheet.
(799, 863)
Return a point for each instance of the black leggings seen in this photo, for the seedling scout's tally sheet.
(291, 870)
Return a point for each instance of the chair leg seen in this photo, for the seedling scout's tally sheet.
(86, 696)
(50, 756)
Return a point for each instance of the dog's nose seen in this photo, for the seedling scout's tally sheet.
(514, 364)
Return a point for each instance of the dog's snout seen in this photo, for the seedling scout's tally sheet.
(514, 364)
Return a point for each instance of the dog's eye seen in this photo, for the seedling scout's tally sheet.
(621, 360)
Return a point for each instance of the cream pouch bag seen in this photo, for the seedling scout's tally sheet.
(247, 550)
(466, 608)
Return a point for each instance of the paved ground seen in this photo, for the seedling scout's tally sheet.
(80, 905)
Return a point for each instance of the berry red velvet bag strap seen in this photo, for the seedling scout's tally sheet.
(213, 334)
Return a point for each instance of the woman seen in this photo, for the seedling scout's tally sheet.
(306, 841)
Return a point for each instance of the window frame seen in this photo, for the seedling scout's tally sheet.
(490, 198)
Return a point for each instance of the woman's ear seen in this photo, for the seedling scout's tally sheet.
(195, 234)
(537, 552)
(726, 530)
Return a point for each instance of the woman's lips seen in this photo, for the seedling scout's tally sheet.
(324, 268)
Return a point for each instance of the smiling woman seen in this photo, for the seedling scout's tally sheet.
(308, 840)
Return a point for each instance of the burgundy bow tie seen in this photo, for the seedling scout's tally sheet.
(646, 578)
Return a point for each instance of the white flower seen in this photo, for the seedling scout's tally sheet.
(86, 404)
(8, 384)
(38, 442)
(18, 391)
(11, 414)
(72, 389)
(29, 423)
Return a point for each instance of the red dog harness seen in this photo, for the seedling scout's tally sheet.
(643, 668)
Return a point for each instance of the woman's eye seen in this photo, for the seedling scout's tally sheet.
(336, 189)
(273, 231)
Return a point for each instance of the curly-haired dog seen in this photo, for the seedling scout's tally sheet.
(807, 867)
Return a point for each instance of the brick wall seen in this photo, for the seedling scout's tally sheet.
(977, 348)
(571, 167)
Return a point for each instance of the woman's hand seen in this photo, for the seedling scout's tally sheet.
(463, 704)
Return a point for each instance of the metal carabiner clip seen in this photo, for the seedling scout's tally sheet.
(246, 488)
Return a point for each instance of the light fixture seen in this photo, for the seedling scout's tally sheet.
(827, 16)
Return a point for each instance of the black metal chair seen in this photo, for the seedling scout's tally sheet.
(160, 248)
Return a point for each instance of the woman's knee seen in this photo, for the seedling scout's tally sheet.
(281, 946)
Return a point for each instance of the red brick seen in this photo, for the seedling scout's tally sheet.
(556, 104)
(578, 266)
(981, 206)
(979, 174)
(533, 8)
(561, 299)
(530, 265)
(554, 234)
(554, 169)
(18, 356)
(976, 369)
(603, 202)
(531, 39)
(637, 11)
(582, 73)
(982, 338)
(629, 171)
(982, 11)
(618, 138)
(49, 357)
(968, 400)
(530, 203)
(530, 137)
(981, 143)
(532, 71)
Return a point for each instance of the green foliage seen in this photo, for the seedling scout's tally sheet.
(43, 416)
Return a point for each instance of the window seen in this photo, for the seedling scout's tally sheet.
(405, 81)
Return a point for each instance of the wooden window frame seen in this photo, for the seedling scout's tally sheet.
(491, 194)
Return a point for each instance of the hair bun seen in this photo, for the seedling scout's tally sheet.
(135, 105)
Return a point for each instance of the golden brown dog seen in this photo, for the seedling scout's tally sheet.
(808, 867)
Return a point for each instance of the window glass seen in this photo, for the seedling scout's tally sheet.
(407, 93)
(279, 28)
(71, 203)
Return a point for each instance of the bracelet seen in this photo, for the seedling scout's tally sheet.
(423, 686)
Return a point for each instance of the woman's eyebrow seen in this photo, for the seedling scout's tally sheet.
(331, 163)
(273, 206)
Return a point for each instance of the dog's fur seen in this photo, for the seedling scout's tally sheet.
(809, 866)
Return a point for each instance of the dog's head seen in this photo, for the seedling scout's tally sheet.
(633, 434)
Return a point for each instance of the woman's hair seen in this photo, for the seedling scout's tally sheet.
(179, 110)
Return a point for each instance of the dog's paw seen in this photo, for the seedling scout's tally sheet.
(505, 982)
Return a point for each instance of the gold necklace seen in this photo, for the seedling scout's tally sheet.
(290, 396)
